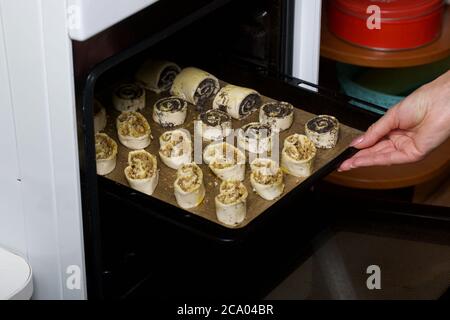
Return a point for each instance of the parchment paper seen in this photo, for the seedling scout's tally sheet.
(255, 204)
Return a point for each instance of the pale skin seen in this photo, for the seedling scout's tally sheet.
(408, 131)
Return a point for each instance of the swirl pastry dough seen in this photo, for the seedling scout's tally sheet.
(142, 172)
(279, 115)
(128, 97)
(231, 203)
(133, 130)
(238, 102)
(195, 85)
(105, 153)
(213, 125)
(255, 137)
(170, 112)
(226, 161)
(99, 116)
(267, 179)
(189, 187)
(157, 75)
(298, 155)
(323, 131)
(175, 148)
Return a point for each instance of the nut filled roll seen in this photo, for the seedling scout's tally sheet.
(297, 157)
(99, 116)
(170, 112)
(189, 188)
(238, 102)
(133, 130)
(267, 179)
(195, 86)
(226, 161)
(157, 75)
(142, 172)
(106, 154)
(175, 148)
(231, 203)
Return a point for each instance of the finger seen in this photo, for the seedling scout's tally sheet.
(381, 159)
(382, 147)
(378, 130)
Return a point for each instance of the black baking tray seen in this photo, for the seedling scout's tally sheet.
(280, 87)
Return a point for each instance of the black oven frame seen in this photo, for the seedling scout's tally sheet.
(281, 85)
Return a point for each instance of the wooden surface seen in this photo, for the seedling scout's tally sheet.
(339, 50)
(437, 163)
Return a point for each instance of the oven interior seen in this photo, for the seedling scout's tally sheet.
(133, 250)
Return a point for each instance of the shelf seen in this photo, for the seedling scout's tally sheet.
(436, 164)
(336, 49)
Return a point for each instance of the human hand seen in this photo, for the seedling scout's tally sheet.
(408, 131)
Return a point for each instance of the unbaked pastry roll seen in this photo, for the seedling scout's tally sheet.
(175, 148)
(105, 153)
(228, 162)
(142, 172)
(214, 125)
(298, 155)
(255, 137)
(189, 187)
(231, 203)
(133, 130)
(157, 75)
(195, 85)
(238, 102)
(267, 178)
(323, 131)
(170, 112)
(128, 97)
(279, 115)
(99, 116)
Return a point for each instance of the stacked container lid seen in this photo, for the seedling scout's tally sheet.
(386, 24)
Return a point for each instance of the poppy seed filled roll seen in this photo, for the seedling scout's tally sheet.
(157, 75)
(238, 102)
(279, 115)
(213, 125)
(255, 137)
(170, 112)
(195, 85)
(128, 97)
(323, 131)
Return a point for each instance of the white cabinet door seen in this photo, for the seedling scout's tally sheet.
(89, 17)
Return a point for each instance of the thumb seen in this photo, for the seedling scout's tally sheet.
(378, 130)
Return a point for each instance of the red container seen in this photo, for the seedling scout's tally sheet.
(386, 24)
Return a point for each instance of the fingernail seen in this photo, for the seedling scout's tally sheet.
(357, 141)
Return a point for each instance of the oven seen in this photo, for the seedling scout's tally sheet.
(102, 239)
